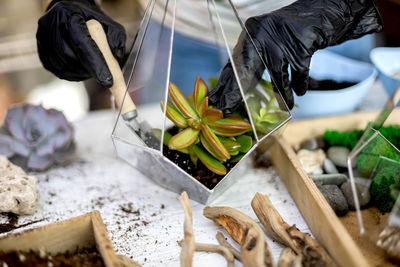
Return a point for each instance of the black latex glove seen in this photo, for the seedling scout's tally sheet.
(65, 46)
(290, 36)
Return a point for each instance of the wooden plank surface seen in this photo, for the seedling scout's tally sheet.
(321, 219)
(82, 231)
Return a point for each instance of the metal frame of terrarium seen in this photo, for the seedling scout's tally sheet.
(152, 162)
(371, 133)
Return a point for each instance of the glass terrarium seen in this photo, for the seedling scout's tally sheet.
(377, 161)
(170, 78)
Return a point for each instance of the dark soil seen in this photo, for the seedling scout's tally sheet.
(12, 223)
(201, 173)
(326, 85)
(81, 257)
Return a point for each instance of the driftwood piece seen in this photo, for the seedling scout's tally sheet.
(301, 243)
(389, 240)
(223, 242)
(286, 258)
(188, 246)
(245, 232)
(224, 251)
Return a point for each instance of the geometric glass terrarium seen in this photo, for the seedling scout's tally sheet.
(151, 77)
(377, 160)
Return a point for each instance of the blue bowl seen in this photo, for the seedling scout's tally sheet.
(326, 65)
(387, 62)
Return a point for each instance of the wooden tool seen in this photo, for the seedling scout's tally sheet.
(119, 89)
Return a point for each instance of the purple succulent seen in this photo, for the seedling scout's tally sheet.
(35, 137)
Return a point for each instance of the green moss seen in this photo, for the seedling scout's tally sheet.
(368, 158)
(385, 184)
(380, 193)
(350, 139)
(346, 139)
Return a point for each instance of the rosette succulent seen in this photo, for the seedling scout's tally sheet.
(36, 138)
(204, 133)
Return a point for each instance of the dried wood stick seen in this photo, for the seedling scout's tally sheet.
(301, 243)
(298, 261)
(224, 251)
(286, 258)
(245, 232)
(188, 246)
(223, 242)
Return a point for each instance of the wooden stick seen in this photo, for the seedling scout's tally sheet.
(245, 232)
(188, 246)
(286, 258)
(213, 248)
(301, 243)
(223, 242)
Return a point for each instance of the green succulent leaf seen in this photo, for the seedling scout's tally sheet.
(237, 158)
(264, 127)
(214, 141)
(200, 92)
(212, 82)
(174, 115)
(209, 161)
(230, 144)
(190, 100)
(183, 139)
(246, 142)
(211, 115)
(167, 138)
(203, 106)
(231, 126)
(210, 148)
(181, 102)
(254, 104)
(193, 156)
(268, 117)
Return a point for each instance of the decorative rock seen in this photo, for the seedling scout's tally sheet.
(362, 193)
(17, 190)
(335, 198)
(311, 160)
(310, 144)
(7, 168)
(329, 167)
(338, 155)
(326, 179)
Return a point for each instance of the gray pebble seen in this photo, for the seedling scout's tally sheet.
(338, 155)
(326, 179)
(335, 198)
(329, 167)
(310, 144)
(362, 192)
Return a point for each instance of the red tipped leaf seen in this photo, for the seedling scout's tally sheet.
(183, 139)
(181, 102)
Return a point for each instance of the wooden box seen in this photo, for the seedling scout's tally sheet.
(323, 222)
(84, 231)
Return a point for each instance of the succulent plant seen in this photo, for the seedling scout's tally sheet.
(204, 133)
(263, 106)
(35, 138)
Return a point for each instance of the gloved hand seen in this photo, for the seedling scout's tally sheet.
(290, 36)
(64, 44)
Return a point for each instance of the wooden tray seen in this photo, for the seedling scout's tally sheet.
(84, 231)
(321, 219)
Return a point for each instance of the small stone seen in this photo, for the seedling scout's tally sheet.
(321, 142)
(17, 190)
(311, 160)
(329, 167)
(326, 179)
(310, 144)
(362, 193)
(338, 155)
(335, 198)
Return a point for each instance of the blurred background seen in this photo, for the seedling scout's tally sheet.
(22, 77)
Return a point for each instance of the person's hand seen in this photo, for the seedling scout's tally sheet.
(64, 44)
(290, 36)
